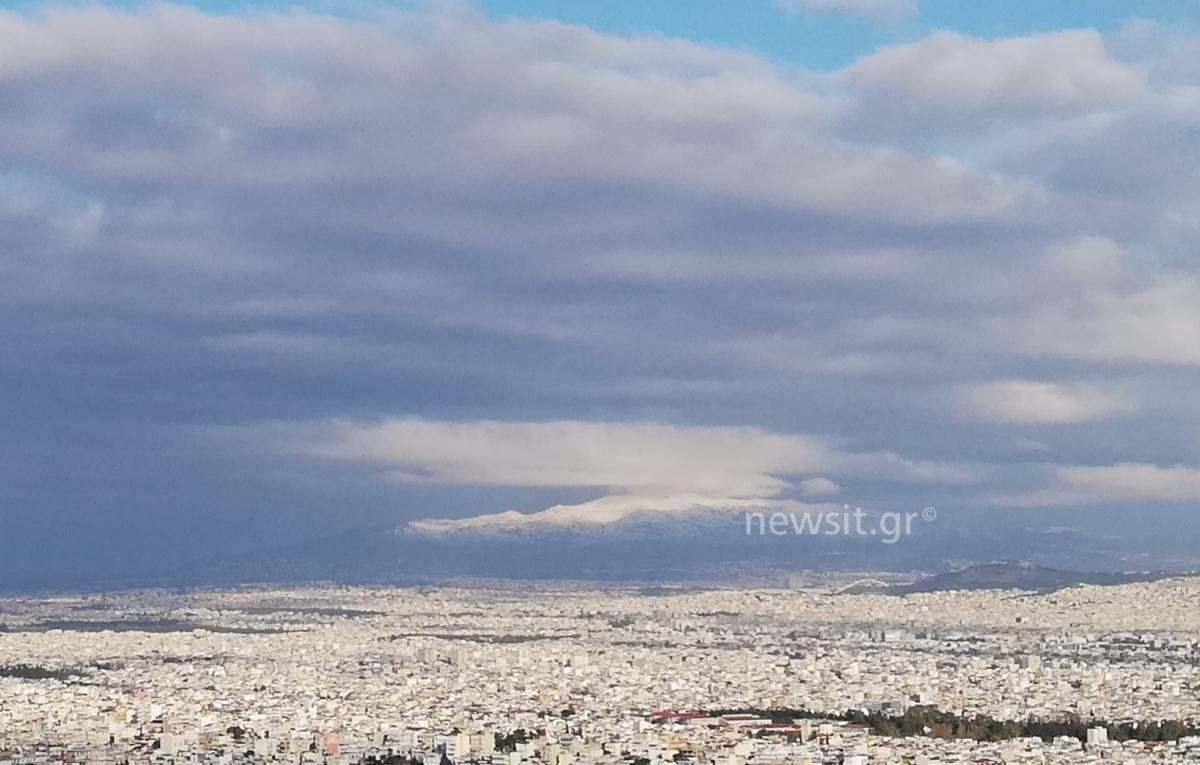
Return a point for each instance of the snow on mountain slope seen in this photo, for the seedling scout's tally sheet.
(601, 512)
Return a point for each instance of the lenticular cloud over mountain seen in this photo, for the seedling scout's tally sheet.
(731, 462)
(650, 468)
(646, 466)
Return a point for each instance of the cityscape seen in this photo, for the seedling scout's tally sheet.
(562, 674)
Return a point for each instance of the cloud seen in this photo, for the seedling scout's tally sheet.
(1025, 402)
(638, 458)
(592, 109)
(948, 70)
(1151, 324)
(1125, 482)
(877, 9)
(818, 487)
(1085, 299)
(1101, 304)
(219, 220)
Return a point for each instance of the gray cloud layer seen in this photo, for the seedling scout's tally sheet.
(218, 221)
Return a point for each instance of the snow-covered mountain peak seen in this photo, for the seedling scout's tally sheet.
(596, 513)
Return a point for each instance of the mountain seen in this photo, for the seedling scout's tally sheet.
(690, 539)
(1019, 575)
(615, 511)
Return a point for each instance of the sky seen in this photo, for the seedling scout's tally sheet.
(274, 271)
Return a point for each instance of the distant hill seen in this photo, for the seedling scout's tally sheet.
(1018, 575)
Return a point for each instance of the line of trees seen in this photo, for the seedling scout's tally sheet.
(930, 721)
(32, 672)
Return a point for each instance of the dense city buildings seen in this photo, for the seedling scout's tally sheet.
(581, 675)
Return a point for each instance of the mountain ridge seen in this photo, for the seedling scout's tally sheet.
(1013, 575)
(690, 544)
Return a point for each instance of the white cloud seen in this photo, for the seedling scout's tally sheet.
(1027, 402)
(818, 487)
(637, 458)
(1086, 299)
(734, 462)
(1124, 482)
(1154, 323)
(955, 71)
(534, 105)
(877, 9)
